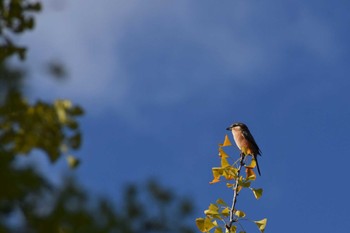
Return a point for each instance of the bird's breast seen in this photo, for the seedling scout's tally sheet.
(240, 140)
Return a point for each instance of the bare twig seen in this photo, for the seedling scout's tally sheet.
(235, 193)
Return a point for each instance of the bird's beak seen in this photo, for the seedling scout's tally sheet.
(228, 128)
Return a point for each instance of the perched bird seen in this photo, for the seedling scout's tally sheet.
(243, 138)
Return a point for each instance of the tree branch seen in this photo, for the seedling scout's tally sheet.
(235, 193)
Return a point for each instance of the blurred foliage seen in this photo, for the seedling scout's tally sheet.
(10, 79)
(20, 188)
(24, 126)
(49, 127)
(57, 70)
(16, 16)
(39, 207)
(29, 201)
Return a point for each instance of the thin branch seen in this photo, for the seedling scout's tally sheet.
(235, 193)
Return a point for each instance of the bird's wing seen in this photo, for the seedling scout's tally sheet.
(250, 138)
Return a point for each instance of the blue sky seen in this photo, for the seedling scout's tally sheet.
(160, 82)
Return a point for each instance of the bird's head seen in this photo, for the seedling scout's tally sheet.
(237, 125)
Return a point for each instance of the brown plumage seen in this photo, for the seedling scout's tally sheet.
(243, 138)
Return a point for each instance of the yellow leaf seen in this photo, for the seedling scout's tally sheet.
(250, 175)
(226, 212)
(234, 171)
(217, 172)
(224, 162)
(244, 150)
(257, 193)
(208, 225)
(212, 210)
(252, 163)
(221, 202)
(204, 225)
(239, 214)
(222, 153)
(227, 141)
(73, 162)
(218, 230)
(243, 182)
(213, 207)
(200, 224)
(233, 229)
(261, 224)
(65, 103)
(214, 181)
(61, 108)
(228, 173)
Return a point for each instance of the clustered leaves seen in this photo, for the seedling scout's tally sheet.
(222, 212)
(16, 16)
(51, 128)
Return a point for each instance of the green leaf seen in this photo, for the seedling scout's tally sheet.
(257, 192)
(261, 224)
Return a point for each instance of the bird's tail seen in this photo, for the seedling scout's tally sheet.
(257, 164)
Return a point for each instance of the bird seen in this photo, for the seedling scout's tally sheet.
(243, 138)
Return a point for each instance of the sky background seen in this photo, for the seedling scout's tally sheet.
(161, 80)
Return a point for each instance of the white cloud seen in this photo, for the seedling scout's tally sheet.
(89, 38)
(83, 36)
